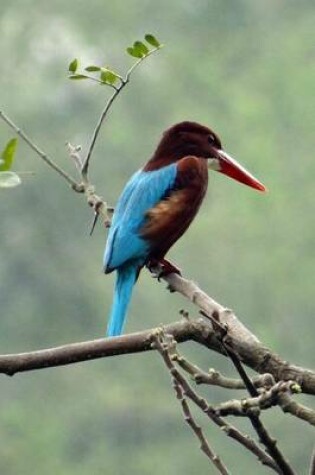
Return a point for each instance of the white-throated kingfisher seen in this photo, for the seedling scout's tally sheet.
(158, 204)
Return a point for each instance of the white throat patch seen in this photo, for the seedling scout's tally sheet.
(214, 164)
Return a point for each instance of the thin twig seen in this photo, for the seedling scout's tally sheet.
(162, 348)
(39, 152)
(270, 444)
(75, 155)
(266, 400)
(97, 129)
(264, 382)
(137, 63)
(215, 378)
(263, 434)
(117, 91)
(204, 444)
(298, 410)
(222, 335)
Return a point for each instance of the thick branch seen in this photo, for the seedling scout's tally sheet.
(250, 350)
(182, 331)
(90, 350)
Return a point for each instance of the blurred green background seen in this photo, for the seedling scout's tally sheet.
(247, 69)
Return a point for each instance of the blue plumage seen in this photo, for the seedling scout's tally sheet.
(125, 280)
(126, 251)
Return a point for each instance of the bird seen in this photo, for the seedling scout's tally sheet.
(158, 204)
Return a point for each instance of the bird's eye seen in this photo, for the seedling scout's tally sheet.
(211, 139)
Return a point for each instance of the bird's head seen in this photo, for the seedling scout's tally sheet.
(192, 139)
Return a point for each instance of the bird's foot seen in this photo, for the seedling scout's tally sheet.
(161, 268)
(169, 268)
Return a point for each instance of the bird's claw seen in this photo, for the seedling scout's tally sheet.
(162, 268)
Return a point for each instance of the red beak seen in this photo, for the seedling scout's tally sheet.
(233, 169)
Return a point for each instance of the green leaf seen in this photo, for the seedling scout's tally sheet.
(141, 47)
(133, 52)
(9, 180)
(92, 69)
(78, 76)
(108, 76)
(73, 66)
(152, 40)
(7, 155)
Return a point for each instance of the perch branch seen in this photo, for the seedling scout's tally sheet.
(89, 350)
(249, 349)
(184, 330)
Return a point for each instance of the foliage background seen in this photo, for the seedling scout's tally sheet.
(247, 69)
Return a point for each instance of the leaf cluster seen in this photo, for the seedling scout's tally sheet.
(105, 75)
(140, 49)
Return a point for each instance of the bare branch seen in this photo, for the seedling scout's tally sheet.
(183, 330)
(39, 152)
(298, 410)
(249, 349)
(158, 343)
(96, 131)
(204, 444)
(89, 350)
(100, 207)
(265, 400)
(267, 386)
(215, 378)
(222, 332)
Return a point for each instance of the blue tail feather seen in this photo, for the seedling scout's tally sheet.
(125, 280)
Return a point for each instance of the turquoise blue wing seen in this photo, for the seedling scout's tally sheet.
(143, 191)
